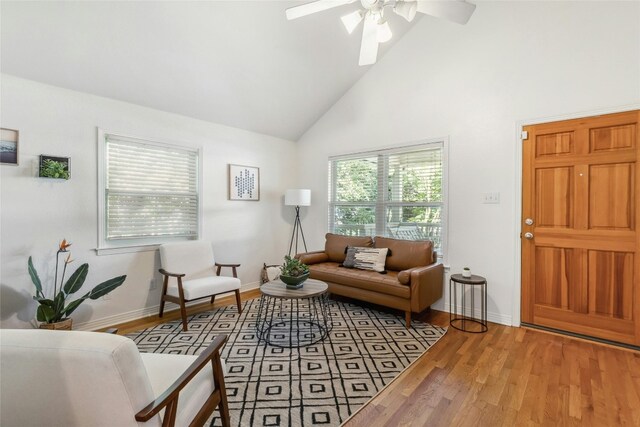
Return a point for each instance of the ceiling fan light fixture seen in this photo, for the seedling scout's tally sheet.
(384, 33)
(406, 9)
(352, 20)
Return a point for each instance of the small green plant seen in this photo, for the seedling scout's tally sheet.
(293, 267)
(54, 169)
(56, 309)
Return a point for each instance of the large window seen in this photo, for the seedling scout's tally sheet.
(395, 193)
(149, 192)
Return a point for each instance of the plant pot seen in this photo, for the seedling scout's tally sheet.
(63, 325)
(294, 282)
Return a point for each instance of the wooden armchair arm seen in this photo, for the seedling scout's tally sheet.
(169, 398)
(166, 273)
(233, 268)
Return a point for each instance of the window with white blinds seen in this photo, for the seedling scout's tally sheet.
(396, 193)
(150, 191)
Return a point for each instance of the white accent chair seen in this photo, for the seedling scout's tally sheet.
(73, 378)
(192, 264)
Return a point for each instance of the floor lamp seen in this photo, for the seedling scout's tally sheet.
(297, 198)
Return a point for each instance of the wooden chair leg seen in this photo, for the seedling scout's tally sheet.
(183, 313)
(407, 318)
(224, 413)
(183, 308)
(218, 380)
(165, 283)
(238, 301)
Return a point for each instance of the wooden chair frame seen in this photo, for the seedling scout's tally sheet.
(180, 298)
(217, 399)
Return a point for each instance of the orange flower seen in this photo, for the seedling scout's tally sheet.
(64, 245)
(68, 260)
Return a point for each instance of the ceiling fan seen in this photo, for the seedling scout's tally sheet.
(376, 29)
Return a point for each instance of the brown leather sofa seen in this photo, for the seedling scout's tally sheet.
(413, 279)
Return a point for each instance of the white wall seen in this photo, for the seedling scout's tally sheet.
(514, 62)
(37, 213)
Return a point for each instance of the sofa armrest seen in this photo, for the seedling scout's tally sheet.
(313, 257)
(426, 285)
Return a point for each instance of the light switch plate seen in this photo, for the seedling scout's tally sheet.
(491, 198)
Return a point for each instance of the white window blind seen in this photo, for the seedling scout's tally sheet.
(151, 190)
(395, 193)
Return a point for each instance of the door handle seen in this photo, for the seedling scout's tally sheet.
(528, 235)
(528, 221)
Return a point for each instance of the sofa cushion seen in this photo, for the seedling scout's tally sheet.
(366, 258)
(336, 245)
(406, 254)
(363, 279)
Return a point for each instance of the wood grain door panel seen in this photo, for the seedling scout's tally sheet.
(611, 201)
(581, 271)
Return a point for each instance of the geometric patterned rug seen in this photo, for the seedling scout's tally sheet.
(322, 384)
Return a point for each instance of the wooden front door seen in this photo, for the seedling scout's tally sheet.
(581, 251)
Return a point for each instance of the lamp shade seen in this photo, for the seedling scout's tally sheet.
(384, 32)
(406, 9)
(297, 198)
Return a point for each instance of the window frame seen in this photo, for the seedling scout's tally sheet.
(380, 207)
(106, 247)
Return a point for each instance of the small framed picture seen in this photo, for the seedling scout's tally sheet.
(8, 146)
(244, 183)
(54, 167)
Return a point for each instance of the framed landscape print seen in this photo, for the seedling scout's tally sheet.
(8, 146)
(244, 183)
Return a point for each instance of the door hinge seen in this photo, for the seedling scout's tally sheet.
(524, 135)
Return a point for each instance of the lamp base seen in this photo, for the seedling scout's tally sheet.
(297, 230)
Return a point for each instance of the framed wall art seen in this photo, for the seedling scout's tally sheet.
(244, 183)
(8, 146)
(54, 167)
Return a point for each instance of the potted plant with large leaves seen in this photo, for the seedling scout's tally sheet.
(54, 312)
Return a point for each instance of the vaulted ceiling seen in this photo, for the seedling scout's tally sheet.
(237, 63)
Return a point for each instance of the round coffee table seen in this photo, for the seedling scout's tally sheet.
(293, 317)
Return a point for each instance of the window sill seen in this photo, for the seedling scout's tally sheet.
(114, 250)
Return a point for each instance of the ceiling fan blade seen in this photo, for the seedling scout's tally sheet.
(369, 46)
(458, 11)
(313, 7)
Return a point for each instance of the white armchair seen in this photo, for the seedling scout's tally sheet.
(73, 378)
(192, 264)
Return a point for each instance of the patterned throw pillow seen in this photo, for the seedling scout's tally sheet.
(366, 258)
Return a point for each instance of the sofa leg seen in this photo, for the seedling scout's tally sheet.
(407, 318)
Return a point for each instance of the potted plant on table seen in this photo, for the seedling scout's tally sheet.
(293, 273)
(54, 312)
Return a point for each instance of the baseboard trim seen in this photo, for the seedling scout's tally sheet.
(554, 331)
(142, 313)
(503, 319)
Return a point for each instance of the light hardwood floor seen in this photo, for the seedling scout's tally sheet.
(505, 377)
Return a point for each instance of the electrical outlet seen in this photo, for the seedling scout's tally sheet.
(152, 285)
(491, 198)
